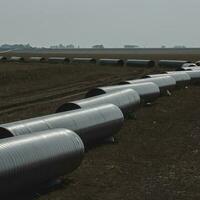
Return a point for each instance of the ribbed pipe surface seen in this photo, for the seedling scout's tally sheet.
(31, 160)
(182, 78)
(147, 91)
(127, 100)
(164, 82)
(92, 124)
(189, 65)
(188, 68)
(194, 75)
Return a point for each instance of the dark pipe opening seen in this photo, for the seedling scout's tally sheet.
(93, 61)
(4, 133)
(94, 92)
(67, 107)
(67, 60)
(3, 58)
(123, 83)
(121, 62)
(151, 63)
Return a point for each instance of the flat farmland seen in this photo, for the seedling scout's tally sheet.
(157, 155)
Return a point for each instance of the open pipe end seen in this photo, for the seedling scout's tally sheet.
(123, 83)
(5, 133)
(121, 62)
(95, 92)
(67, 107)
(151, 63)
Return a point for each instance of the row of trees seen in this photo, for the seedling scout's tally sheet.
(70, 46)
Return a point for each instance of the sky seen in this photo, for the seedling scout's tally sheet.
(114, 23)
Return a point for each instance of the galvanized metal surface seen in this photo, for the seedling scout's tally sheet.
(127, 100)
(182, 78)
(140, 63)
(194, 75)
(172, 63)
(16, 59)
(189, 65)
(119, 62)
(188, 68)
(84, 60)
(147, 91)
(164, 82)
(58, 60)
(92, 124)
(37, 59)
(31, 160)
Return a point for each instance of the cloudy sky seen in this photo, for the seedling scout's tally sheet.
(149, 23)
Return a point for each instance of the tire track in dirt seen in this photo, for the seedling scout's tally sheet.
(64, 92)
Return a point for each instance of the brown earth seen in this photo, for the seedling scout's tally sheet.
(157, 154)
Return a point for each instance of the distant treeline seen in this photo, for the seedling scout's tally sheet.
(71, 46)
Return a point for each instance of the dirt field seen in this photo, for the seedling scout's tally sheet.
(157, 154)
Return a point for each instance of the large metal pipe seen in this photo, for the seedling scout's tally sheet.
(58, 60)
(127, 100)
(182, 78)
(194, 75)
(3, 58)
(28, 161)
(148, 91)
(83, 60)
(92, 124)
(189, 65)
(172, 63)
(37, 59)
(188, 68)
(119, 62)
(16, 59)
(164, 82)
(140, 63)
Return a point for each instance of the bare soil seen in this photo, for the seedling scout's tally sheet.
(157, 155)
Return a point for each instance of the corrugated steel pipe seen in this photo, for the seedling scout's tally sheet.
(148, 92)
(188, 68)
(172, 63)
(189, 65)
(194, 75)
(58, 60)
(83, 60)
(27, 161)
(3, 58)
(118, 62)
(164, 83)
(127, 100)
(140, 63)
(16, 59)
(92, 124)
(182, 78)
(37, 59)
